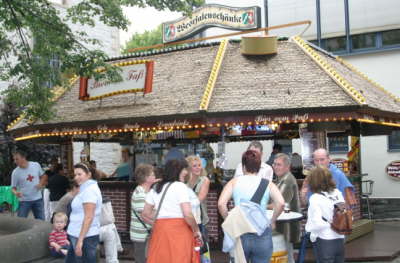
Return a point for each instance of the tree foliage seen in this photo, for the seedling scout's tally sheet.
(147, 38)
(38, 46)
(41, 153)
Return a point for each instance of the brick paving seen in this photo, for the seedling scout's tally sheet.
(378, 247)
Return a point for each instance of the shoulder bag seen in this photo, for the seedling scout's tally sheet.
(259, 193)
(342, 221)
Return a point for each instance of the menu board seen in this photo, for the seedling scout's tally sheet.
(393, 170)
(310, 141)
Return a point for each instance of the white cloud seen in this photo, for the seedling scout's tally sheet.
(144, 19)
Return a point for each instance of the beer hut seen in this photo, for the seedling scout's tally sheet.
(231, 90)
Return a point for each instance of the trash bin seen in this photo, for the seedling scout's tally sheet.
(279, 253)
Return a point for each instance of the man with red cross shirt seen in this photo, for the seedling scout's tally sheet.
(27, 186)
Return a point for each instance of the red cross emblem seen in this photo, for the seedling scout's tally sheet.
(29, 178)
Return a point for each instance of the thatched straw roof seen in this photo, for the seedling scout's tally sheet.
(298, 78)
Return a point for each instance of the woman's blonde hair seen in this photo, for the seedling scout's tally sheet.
(192, 158)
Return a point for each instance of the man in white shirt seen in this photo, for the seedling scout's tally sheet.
(265, 170)
(27, 186)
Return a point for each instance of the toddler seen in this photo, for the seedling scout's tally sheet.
(58, 241)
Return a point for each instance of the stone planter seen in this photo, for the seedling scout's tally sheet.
(23, 239)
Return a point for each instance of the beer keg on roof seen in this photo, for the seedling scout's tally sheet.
(258, 45)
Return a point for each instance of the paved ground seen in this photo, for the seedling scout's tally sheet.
(384, 241)
(397, 260)
(218, 257)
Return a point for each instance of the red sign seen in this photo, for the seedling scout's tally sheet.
(393, 170)
(136, 77)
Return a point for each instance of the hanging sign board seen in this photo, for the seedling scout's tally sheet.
(212, 15)
(310, 141)
(393, 170)
(136, 77)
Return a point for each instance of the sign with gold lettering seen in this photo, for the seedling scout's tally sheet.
(283, 118)
(136, 77)
(212, 15)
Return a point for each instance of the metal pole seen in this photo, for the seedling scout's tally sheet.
(318, 7)
(266, 15)
(266, 12)
(347, 25)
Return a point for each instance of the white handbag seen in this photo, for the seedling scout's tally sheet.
(107, 214)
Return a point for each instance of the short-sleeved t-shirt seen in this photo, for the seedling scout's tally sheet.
(340, 180)
(176, 195)
(195, 203)
(124, 170)
(89, 192)
(138, 232)
(265, 171)
(26, 179)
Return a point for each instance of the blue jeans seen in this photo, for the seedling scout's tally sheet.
(36, 206)
(58, 254)
(329, 251)
(89, 250)
(303, 246)
(257, 249)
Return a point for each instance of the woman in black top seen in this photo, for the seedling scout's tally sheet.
(58, 185)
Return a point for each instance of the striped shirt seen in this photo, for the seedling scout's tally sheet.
(58, 237)
(137, 231)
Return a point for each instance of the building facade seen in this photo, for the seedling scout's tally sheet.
(108, 36)
(374, 50)
(110, 44)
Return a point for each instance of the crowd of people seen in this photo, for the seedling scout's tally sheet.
(169, 214)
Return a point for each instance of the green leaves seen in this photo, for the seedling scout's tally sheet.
(174, 5)
(147, 38)
(38, 46)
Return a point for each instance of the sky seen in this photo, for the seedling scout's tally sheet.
(144, 19)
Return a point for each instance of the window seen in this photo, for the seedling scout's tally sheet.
(286, 145)
(336, 44)
(394, 141)
(363, 41)
(54, 64)
(391, 37)
(338, 142)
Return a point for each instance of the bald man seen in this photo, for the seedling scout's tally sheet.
(321, 157)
